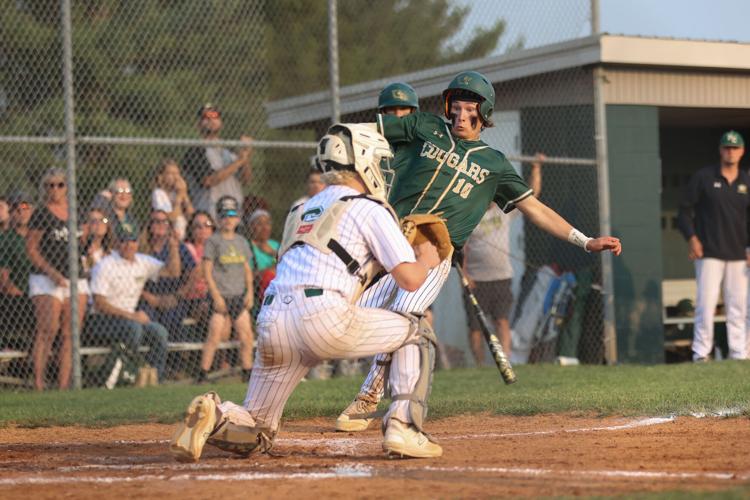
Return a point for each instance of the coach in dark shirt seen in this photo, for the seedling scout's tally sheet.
(713, 218)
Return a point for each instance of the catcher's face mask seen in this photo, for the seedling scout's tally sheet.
(355, 147)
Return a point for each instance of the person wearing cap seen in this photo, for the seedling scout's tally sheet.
(713, 219)
(117, 281)
(213, 172)
(16, 309)
(226, 265)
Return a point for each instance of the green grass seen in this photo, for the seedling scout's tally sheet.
(626, 390)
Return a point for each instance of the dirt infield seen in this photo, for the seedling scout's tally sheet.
(483, 456)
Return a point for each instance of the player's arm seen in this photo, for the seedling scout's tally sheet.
(550, 221)
(410, 276)
(398, 129)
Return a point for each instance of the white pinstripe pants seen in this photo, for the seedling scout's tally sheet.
(296, 332)
(385, 294)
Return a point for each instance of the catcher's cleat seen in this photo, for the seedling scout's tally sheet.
(357, 416)
(242, 440)
(191, 434)
(404, 440)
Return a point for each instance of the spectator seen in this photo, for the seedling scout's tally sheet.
(115, 201)
(226, 263)
(214, 172)
(4, 214)
(117, 282)
(201, 228)
(161, 299)
(489, 270)
(265, 251)
(170, 194)
(16, 309)
(313, 185)
(99, 241)
(47, 248)
(713, 219)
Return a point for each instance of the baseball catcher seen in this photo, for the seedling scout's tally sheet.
(332, 247)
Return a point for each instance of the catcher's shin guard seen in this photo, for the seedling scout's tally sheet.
(426, 340)
(241, 439)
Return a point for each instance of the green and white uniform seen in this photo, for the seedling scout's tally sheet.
(443, 175)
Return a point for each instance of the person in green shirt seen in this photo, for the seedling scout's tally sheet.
(444, 168)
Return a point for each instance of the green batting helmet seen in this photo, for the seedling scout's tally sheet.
(398, 94)
(471, 86)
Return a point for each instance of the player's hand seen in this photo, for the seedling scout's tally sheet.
(472, 283)
(539, 158)
(427, 254)
(220, 306)
(141, 317)
(696, 248)
(605, 243)
(248, 301)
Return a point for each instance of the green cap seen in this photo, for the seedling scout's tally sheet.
(398, 94)
(126, 231)
(732, 139)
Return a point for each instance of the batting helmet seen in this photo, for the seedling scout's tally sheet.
(356, 148)
(471, 86)
(398, 94)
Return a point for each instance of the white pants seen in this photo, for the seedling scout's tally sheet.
(709, 275)
(385, 294)
(296, 332)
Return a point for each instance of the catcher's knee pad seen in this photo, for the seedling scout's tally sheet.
(426, 341)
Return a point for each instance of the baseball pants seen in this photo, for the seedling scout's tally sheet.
(385, 294)
(709, 275)
(298, 329)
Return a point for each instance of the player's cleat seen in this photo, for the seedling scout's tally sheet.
(191, 434)
(357, 416)
(404, 440)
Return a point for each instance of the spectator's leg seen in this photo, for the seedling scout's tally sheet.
(156, 337)
(245, 335)
(476, 342)
(708, 274)
(47, 310)
(502, 326)
(735, 302)
(216, 329)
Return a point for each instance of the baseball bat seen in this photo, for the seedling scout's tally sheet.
(501, 360)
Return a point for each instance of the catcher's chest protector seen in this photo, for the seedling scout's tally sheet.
(320, 231)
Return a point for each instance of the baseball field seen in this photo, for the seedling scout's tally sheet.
(667, 431)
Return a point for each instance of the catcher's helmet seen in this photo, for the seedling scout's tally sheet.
(356, 148)
(398, 94)
(471, 86)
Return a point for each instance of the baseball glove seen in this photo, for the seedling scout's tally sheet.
(418, 228)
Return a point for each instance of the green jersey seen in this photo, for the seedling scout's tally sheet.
(439, 174)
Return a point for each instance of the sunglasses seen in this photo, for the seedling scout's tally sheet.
(205, 224)
(103, 220)
(211, 114)
(123, 191)
(52, 185)
(23, 206)
(159, 221)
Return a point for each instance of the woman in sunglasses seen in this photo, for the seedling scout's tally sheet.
(200, 229)
(49, 288)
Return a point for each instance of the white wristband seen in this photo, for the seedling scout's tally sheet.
(579, 239)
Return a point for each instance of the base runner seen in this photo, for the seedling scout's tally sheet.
(447, 170)
(332, 247)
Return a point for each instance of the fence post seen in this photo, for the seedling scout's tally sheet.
(70, 145)
(333, 61)
(605, 228)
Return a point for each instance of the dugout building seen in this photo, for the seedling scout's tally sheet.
(667, 103)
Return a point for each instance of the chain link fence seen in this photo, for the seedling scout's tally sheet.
(164, 92)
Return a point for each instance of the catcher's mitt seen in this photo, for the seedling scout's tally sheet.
(418, 228)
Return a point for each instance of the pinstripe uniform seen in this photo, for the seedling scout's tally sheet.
(308, 316)
(439, 174)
